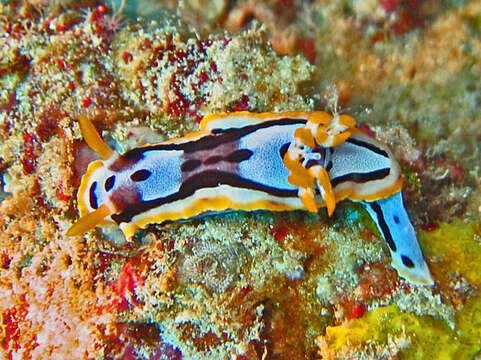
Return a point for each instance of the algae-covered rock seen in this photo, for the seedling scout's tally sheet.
(387, 332)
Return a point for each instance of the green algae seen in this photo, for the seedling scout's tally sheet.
(460, 246)
(454, 249)
(469, 325)
(429, 338)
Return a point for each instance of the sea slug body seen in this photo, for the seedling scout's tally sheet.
(251, 161)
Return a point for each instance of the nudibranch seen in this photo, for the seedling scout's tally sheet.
(251, 161)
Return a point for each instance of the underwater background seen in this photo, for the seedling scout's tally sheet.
(241, 286)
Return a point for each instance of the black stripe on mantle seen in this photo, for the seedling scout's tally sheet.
(202, 180)
(361, 177)
(368, 146)
(218, 137)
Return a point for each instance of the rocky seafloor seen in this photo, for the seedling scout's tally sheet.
(242, 286)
